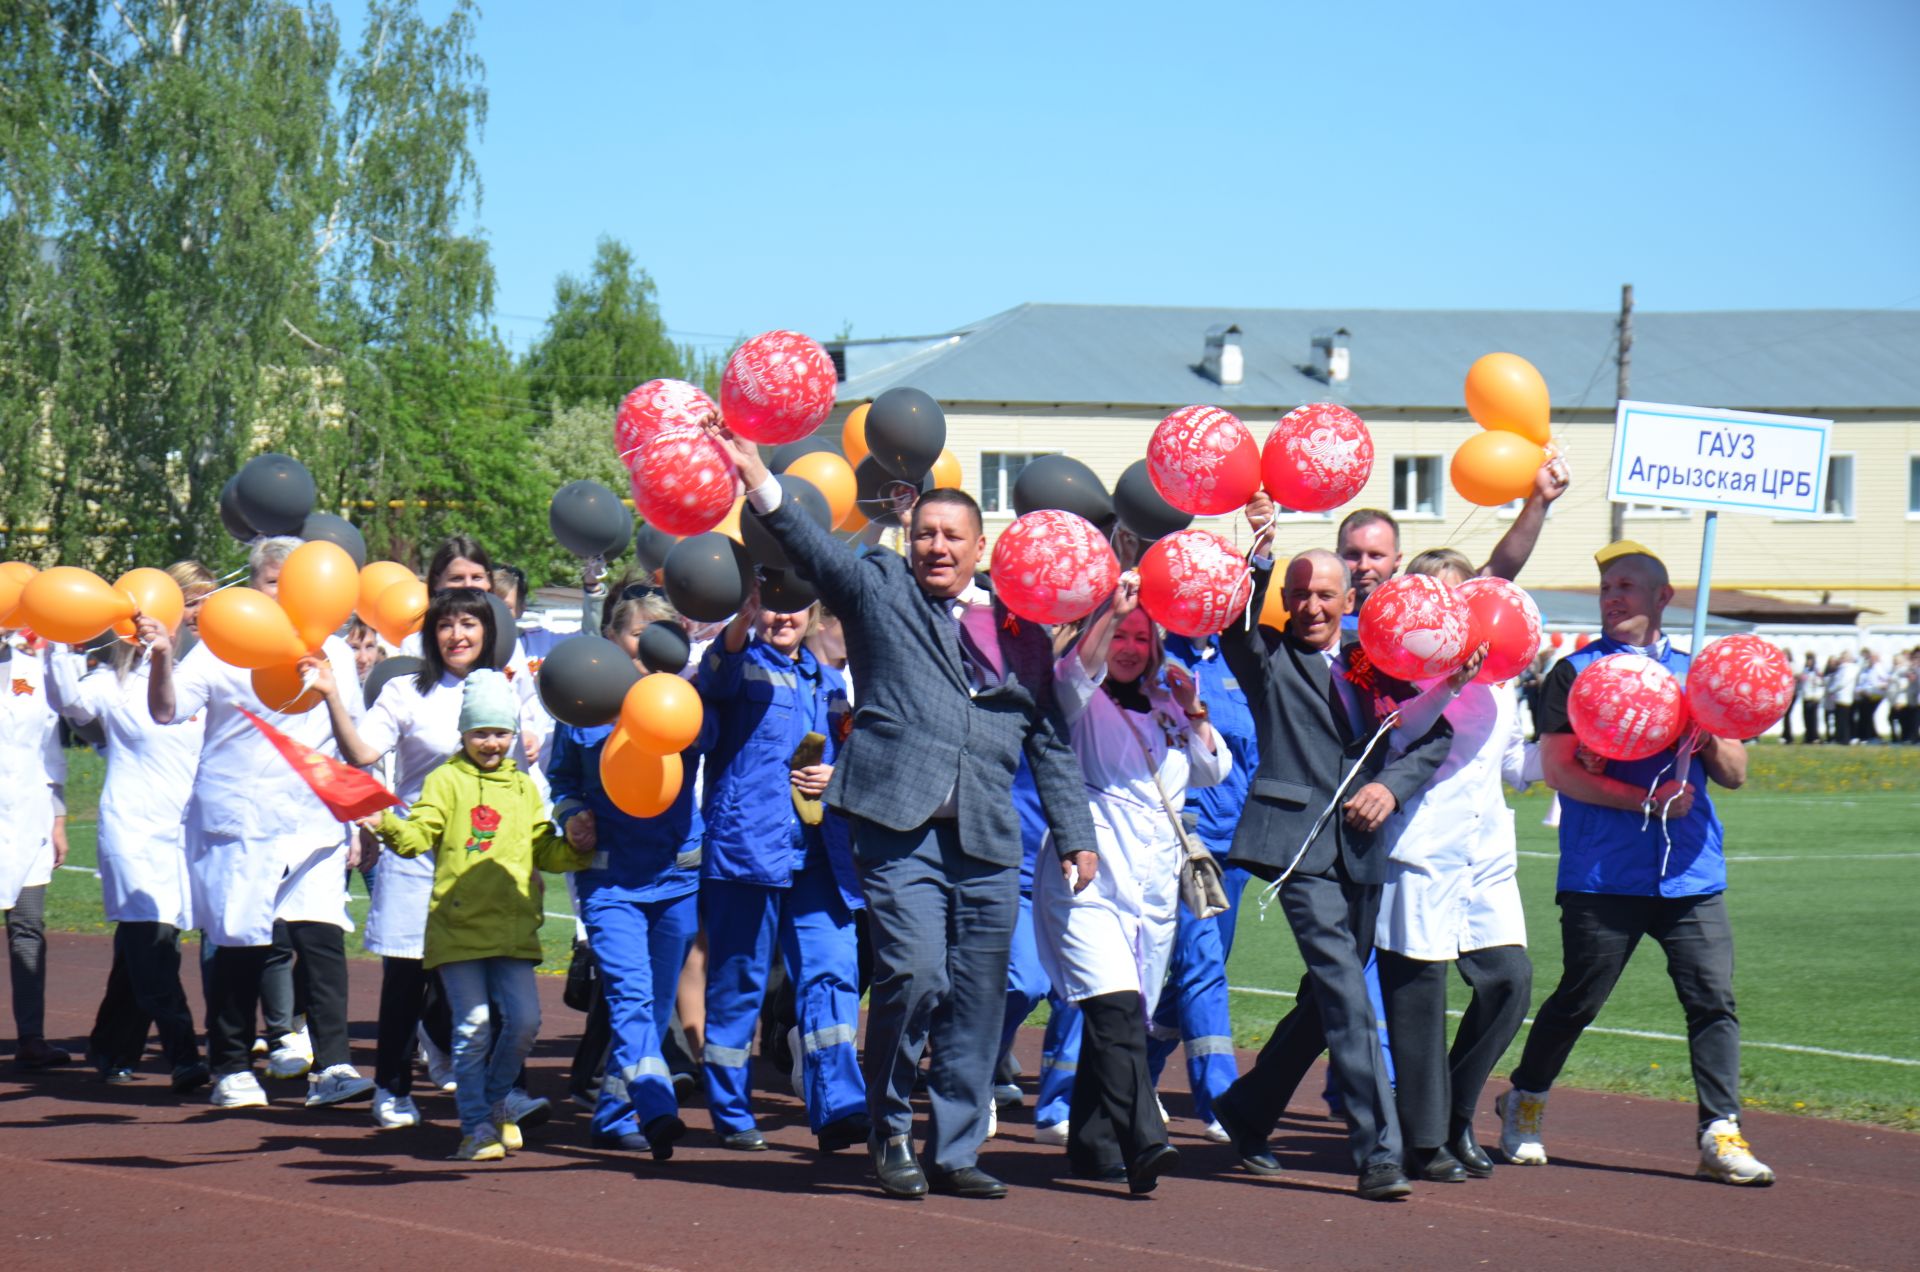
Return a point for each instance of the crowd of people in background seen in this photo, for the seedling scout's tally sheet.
(1840, 700)
(902, 792)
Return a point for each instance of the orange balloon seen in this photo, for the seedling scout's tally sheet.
(376, 578)
(946, 471)
(154, 594)
(399, 611)
(730, 524)
(245, 628)
(13, 579)
(1273, 609)
(319, 587)
(281, 689)
(1493, 468)
(853, 435)
(661, 714)
(69, 605)
(1506, 394)
(640, 785)
(832, 476)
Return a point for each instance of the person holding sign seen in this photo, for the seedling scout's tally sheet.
(1640, 856)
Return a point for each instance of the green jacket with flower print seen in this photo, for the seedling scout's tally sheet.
(489, 840)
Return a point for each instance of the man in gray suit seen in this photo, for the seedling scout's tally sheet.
(952, 689)
(1317, 711)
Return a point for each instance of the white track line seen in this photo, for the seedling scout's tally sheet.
(1810, 856)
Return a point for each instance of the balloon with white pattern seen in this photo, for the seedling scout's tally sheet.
(655, 405)
(1414, 628)
(683, 483)
(1053, 566)
(1739, 687)
(1203, 461)
(1317, 457)
(1195, 583)
(777, 387)
(1627, 707)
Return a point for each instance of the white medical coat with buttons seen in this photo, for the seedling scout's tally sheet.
(31, 765)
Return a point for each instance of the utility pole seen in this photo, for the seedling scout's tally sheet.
(1623, 365)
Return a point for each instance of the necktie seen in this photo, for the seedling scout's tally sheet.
(1337, 701)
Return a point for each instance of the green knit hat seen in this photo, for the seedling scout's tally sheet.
(486, 702)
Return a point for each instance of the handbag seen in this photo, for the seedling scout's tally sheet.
(582, 972)
(1203, 884)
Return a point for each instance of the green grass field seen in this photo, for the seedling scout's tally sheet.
(1825, 895)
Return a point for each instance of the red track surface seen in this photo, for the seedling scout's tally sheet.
(133, 1177)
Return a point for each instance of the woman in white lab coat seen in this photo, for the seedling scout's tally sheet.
(33, 838)
(260, 847)
(142, 857)
(1139, 729)
(1452, 899)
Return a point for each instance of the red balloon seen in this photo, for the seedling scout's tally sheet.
(1317, 457)
(1739, 687)
(655, 405)
(1581, 641)
(1052, 566)
(683, 482)
(777, 388)
(1506, 621)
(1415, 628)
(1203, 461)
(1557, 639)
(1627, 707)
(1194, 582)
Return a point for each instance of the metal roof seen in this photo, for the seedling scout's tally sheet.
(1147, 356)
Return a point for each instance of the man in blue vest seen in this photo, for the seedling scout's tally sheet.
(1620, 881)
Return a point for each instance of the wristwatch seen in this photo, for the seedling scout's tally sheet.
(1199, 712)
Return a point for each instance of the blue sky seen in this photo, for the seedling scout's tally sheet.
(909, 167)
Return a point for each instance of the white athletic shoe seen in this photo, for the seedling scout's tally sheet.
(260, 1047)
(292, 1057)
(1522, 1113)
(1724, 1156)
(1217, 1133)
(993, 1119)
(439, 1063)
(238, 1091)
(337, 1085)
(1052, 1133)
(1161, 1104)
(797, 1075)
(1008, 1095)
(392, 1112)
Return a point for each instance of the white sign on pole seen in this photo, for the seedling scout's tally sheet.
(1729, 461)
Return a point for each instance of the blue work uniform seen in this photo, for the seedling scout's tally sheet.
(1027, 983)
(768, 877)
(638, 903)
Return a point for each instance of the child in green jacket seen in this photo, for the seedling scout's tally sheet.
(481, 817)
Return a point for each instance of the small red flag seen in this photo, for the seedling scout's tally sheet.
(348, 793)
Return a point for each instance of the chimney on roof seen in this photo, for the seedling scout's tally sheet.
(1221, 361)
(1331, 362)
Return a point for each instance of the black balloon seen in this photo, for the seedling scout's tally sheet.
(584, 680)
(274, 493)
(1140, 507)
(651, 545)
(884, 498)
(759, 541)
(588, 519)
(230, 516)
(664, 647)
(708, 577)
(1063, 482)
(324, 525)
(506, 632)
(388, 669)
(906, 431)
(784, 592)
(781, 458)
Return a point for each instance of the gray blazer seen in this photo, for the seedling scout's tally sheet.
(1304, 754)
(915, 726)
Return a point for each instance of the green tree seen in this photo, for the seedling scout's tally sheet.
(605, 335)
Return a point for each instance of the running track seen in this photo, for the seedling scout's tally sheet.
(99, 1177)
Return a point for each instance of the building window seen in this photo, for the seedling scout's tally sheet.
(1416, 485)
(1651, 511)
(1913, 616)
(998, 471)
(1839, 487)
(1913, 485)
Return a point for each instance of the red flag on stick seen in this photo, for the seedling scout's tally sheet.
(348, 793)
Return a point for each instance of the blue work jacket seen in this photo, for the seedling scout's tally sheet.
(1218, 807)
(636, 858)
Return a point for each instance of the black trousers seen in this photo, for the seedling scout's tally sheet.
(319, 979)
(1809, 721)
(1112, 1117)
(1864, 710)
(410, 996)
(27, 962)
(1598, 934)
(143, 991)
(1840, 722)
(279, 1001)
(1436, 1089)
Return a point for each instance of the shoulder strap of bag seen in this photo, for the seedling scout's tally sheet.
(1179, 827)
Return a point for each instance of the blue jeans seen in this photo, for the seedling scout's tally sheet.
(486, 1078)
(640, 947)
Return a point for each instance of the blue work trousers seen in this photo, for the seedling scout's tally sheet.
(640, 947)
(1193, 1011)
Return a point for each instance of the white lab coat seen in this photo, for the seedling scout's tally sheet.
(260, 844)
(1116, 935)
(150, 768)
(1451, 874)
(32, 769)
(422, 731)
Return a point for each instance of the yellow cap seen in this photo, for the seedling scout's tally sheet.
(1624, 548)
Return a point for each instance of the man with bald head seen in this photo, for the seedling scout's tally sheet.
(1326, 783)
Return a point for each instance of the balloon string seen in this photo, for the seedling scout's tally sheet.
(1253, 550)
(1272, 890)
(1686, 766)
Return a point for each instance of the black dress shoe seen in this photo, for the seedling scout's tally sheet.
(1436, 1166)
(1252, 1150)
(855, 1128)
(628, 1142)
(116, 1074)
(661, 1134)
(189, 1078)
(38, 1053)
(1143, 1175)
(899, 1172)
(1383, 1181)
(1471, 1155)
(1111, 1173)
(747, 1141)
(968, 1181)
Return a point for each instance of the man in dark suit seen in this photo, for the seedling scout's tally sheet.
(1316, 712)
(951, 691)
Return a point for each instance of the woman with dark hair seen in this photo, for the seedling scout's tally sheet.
(460, 562)
(417, 718)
